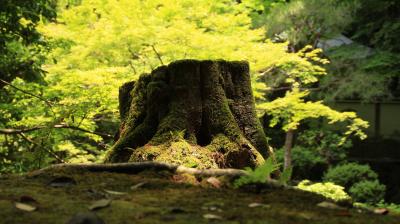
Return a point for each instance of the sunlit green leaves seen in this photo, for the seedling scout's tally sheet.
(292, 110)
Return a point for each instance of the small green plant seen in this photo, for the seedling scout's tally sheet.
(360, 181)
(259, 175)
(391, 206)
(177, 136)
(368, 191)
(286, 175)
(328, 190)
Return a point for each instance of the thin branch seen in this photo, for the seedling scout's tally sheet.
(11, 131)
(83, 118)
(133, 67)
(289, 88)
(158, 55)
(48, 150)
(266, 71)
(28, 93)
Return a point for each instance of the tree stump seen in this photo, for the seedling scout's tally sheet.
(193, 113)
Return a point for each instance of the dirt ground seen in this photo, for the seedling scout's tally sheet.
(150, 197)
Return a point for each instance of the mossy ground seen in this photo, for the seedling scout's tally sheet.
(177, 152)
(165, 198)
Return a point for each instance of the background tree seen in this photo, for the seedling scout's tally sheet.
(293, 108)
(22, 47)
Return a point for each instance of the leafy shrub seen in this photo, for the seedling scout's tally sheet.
(328, 190)
(350, 173)
(360, 181)
(368, 191)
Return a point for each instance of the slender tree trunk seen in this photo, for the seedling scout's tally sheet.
(288, 149)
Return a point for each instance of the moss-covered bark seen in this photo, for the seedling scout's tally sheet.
(196, 113)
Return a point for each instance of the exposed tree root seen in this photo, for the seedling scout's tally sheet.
(136, 167)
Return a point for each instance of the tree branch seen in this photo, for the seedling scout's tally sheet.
(26, 92)
(158, 55)
(48, 150)
(11, 131)
(289, 88)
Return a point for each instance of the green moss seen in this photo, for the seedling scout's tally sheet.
(176, 152)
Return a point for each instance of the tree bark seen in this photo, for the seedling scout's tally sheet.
(287, 163)
(193, 113)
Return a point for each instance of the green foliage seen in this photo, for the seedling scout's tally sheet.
(293, 109)
(261, 174)
(259, 9)
(316, 149)
(380, 30)
(369, 68)
(350, 173)
(22, 47)
(328, 190)
(99, 45)
(361, 73)
(360, 181)
(286, 175)
(368, 191)
(391, 206)
(327, 142)
(304, 160)
(303, 22)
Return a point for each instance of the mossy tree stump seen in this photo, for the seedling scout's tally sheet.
(194, 113)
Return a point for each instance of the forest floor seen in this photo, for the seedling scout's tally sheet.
(150, 197)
